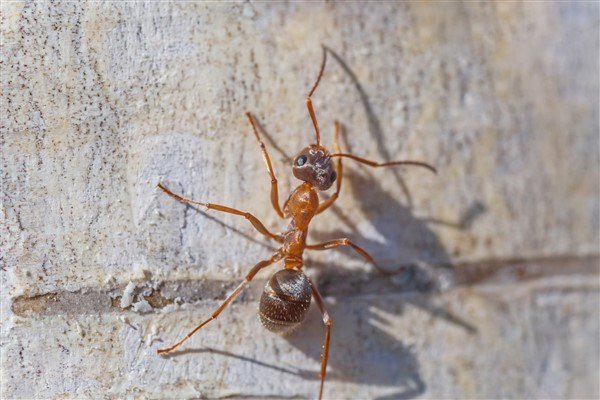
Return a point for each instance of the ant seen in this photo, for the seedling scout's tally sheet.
(286, 298)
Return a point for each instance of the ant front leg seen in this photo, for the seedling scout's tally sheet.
(331, 244)
(265, 154)
(327, 322)
(339, 171)
(259, 226)
(265, 263)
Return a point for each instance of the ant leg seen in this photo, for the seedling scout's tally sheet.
(327, 322)
(339, 171)
(309, 105)
(274, 258)
(253, 220)
(263, 149)
(331, 244)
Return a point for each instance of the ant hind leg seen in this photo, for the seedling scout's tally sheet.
(327, 322)
(262, 264)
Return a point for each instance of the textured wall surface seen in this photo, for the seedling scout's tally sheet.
(100, 101)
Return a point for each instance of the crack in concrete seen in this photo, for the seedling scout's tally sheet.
(332, 282)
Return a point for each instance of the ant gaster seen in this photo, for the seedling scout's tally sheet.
(287, 295)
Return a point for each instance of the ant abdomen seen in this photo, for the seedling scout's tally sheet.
(285, 301)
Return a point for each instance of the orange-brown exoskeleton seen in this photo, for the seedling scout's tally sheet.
(287, 295)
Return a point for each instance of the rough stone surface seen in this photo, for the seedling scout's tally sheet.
(102, 100)
(533, 340)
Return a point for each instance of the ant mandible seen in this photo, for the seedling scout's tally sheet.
(286, 298)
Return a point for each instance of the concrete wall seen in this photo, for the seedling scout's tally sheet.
(102, 100)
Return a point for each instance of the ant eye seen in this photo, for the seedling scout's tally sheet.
(333, 176)
(300, 161)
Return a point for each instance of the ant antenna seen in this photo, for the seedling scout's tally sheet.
(311, 111)
(386, 164)
(314, 87)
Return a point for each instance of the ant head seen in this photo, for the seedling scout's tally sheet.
(313, 165)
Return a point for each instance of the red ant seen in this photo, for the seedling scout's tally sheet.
(287, 295)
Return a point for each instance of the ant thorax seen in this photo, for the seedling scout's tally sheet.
(301, 206)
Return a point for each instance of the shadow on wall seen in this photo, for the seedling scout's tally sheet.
(408, 240)
(408, 243)
(363, 350)
(376, 357)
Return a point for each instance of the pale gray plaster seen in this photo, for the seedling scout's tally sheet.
(102, 100)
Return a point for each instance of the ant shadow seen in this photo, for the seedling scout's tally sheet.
(378, 357)
(373, 355)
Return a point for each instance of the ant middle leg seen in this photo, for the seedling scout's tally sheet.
(265, 154)
(331, 244)
(259, 226)
(262, 264)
